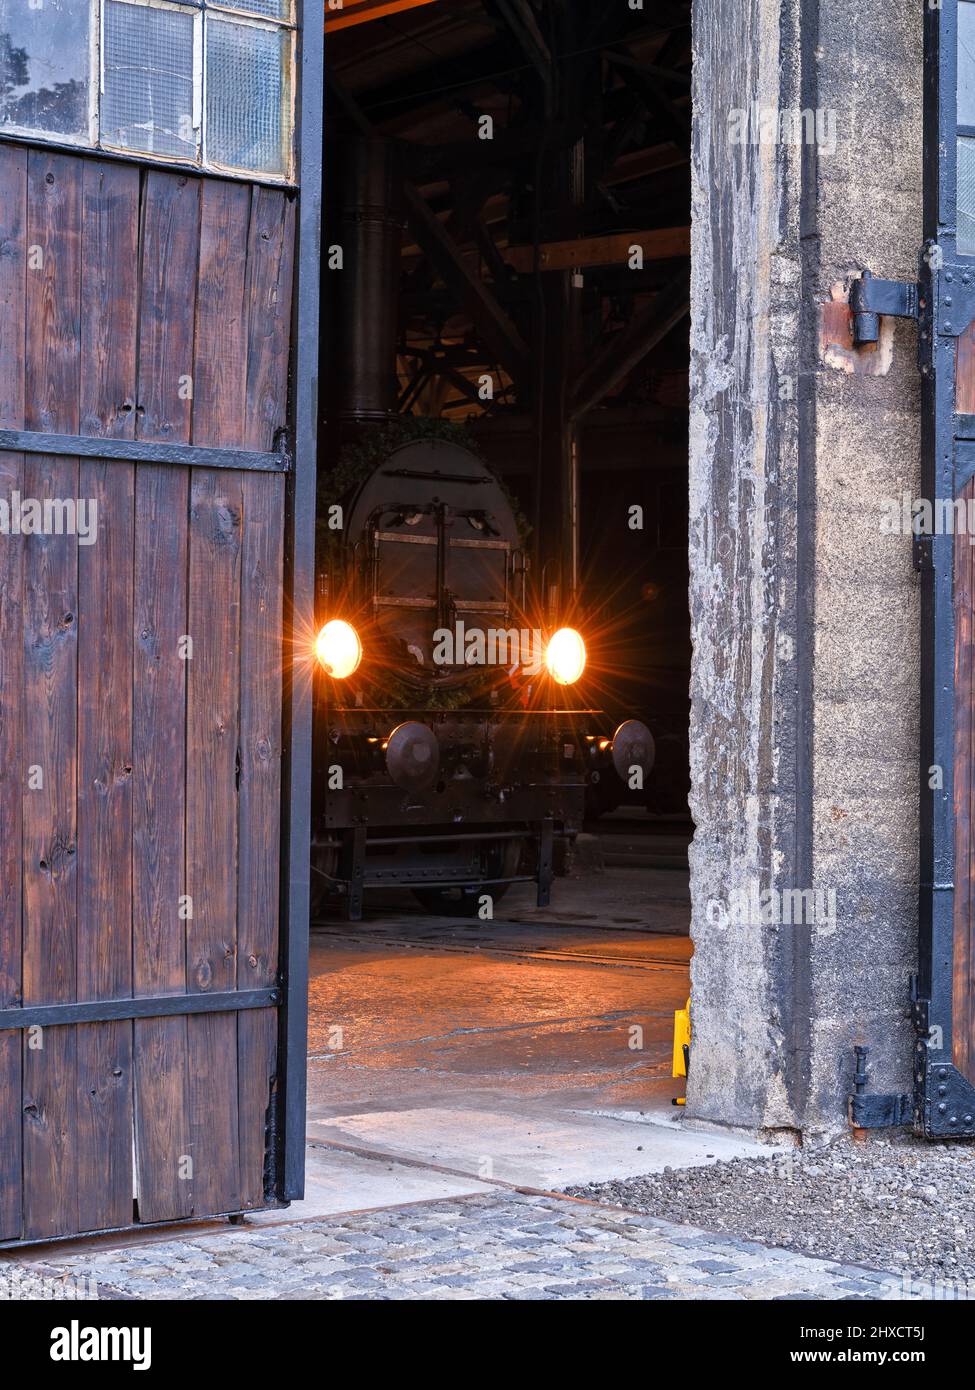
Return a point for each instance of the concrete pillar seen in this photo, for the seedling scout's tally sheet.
(805, 680)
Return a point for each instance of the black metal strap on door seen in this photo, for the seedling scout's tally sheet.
(147, 1006)
(141, 451)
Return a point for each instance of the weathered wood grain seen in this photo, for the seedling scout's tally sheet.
(269, 270)
(13, 271)
(258, 888)
(170, 243)
(53, 335)
(109, 299)
(211, 826)
(216, 508)
(220, 352)
(141, 677)
(270, 273)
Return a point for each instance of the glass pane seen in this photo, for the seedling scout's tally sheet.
(271, 9)
(44, 60)
(247, 103)
(966, 197)
(148, 100)
(966, 63)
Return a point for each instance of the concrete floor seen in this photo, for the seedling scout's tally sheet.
(454, 1061)
(447, 1056)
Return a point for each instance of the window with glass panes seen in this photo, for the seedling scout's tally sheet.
(208, 82)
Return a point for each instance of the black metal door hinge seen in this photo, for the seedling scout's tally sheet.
(920, 1010)
(875, 1111)
(946, 1100)
(870, 299)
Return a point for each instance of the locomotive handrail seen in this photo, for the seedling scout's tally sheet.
(435, 477)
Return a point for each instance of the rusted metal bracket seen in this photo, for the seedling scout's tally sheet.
(872, 299)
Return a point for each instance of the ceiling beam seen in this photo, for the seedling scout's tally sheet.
(498, 63)
(427, 163)
(496, 330)
(629, 347)
(348, 103)
(664, 244)
(521, 19)
(676, 121)
(351, 12)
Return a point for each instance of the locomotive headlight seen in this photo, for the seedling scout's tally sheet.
(565, 656)
(338, 649)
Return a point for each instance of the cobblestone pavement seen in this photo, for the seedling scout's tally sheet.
(495, 1245)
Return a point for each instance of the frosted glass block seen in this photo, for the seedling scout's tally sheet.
(44, 66)
(966, 197)
(247, 96)
(270, 9)
(148, 100)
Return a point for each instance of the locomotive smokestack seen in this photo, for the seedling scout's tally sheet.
(364, 218)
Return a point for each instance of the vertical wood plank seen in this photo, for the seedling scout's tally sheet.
(220, 355)
(270, 258)
(214, 692)
(13, 273)
(211, 827)
(965, 371)
(269, 288)
(170, 245)
(109, 297)
(13, 269)
(50, 710)
(260, 812)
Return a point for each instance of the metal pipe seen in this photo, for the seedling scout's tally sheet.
(360, 279)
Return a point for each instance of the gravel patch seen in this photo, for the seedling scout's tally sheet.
(892, 1201)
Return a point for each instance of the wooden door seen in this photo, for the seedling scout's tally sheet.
(145, 342)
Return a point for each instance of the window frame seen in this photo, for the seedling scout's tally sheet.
(202, 163)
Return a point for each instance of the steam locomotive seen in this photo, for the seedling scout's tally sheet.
(451, 755)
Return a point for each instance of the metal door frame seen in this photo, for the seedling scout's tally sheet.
(296, 769)
(944, 1098)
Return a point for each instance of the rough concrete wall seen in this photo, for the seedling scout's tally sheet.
(804, 616)
(867, 447)
(745, 719)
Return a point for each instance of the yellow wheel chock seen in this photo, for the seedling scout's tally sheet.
(682, 1044)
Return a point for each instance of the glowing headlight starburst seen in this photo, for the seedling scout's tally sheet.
(338, 649)
(565, 656)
